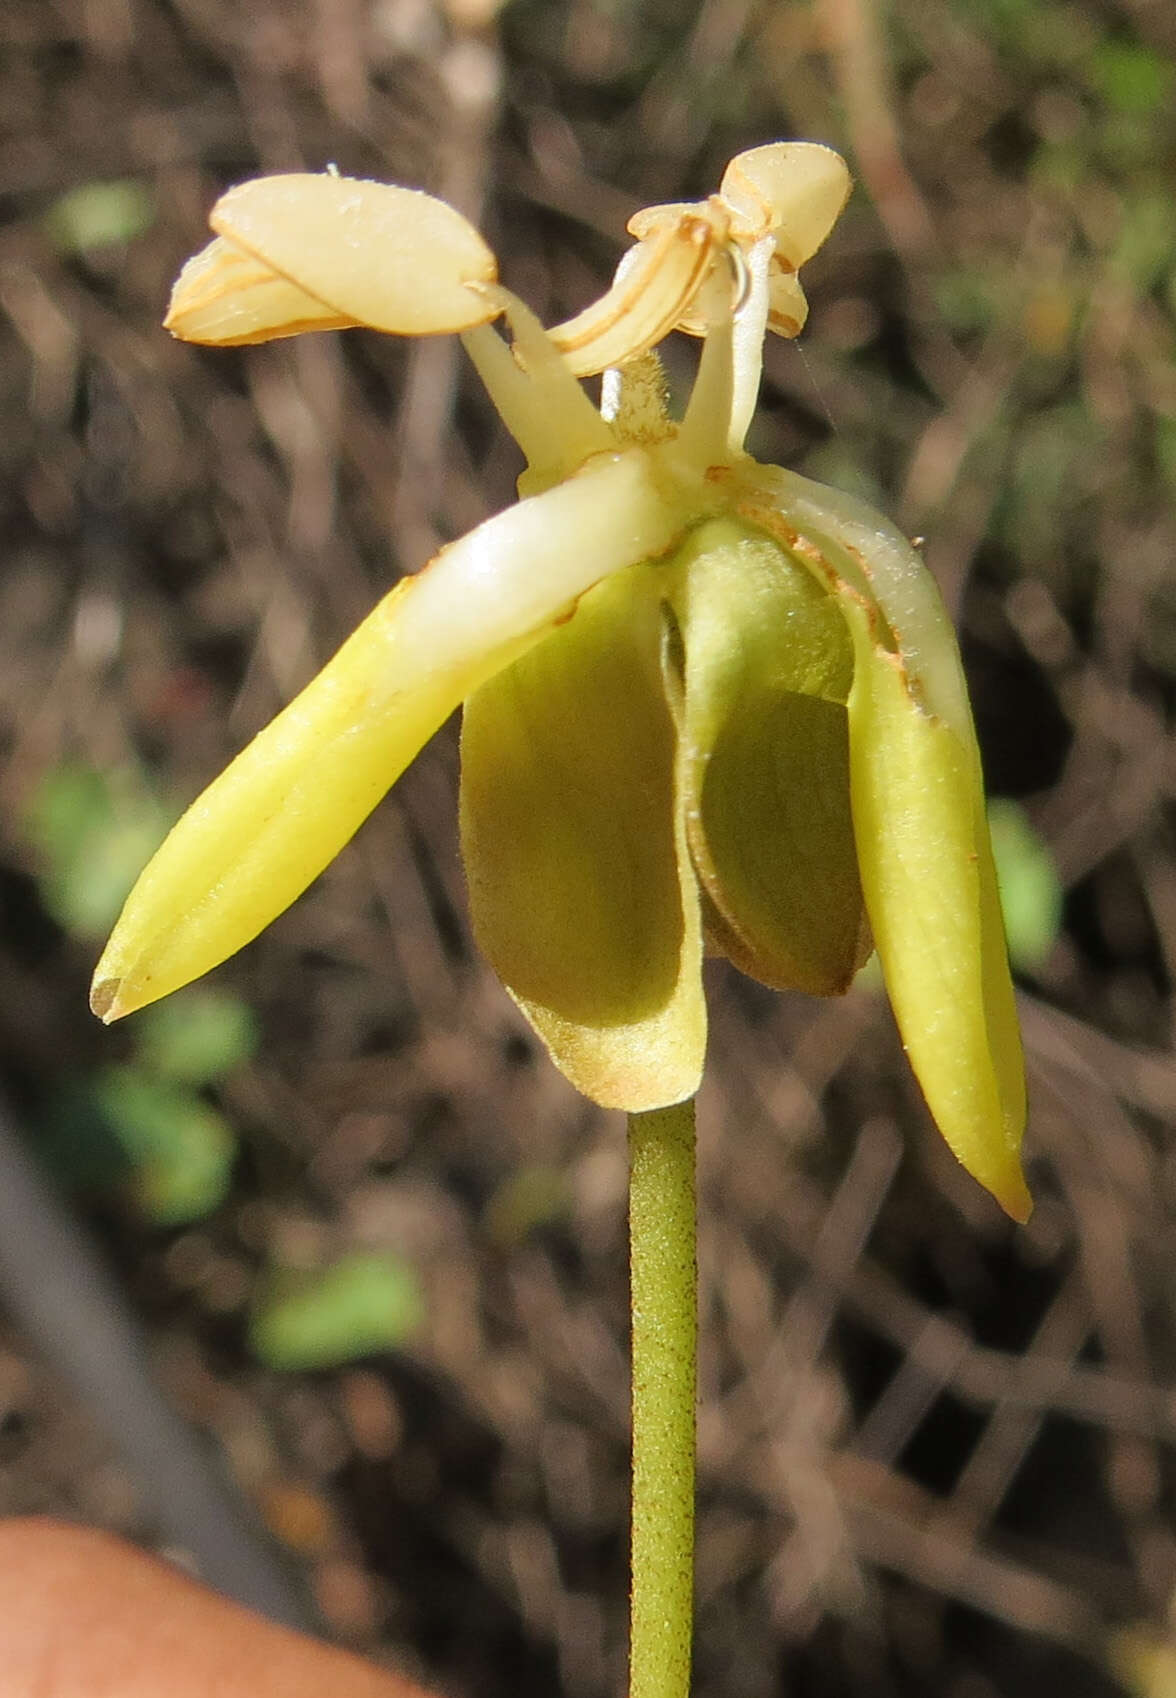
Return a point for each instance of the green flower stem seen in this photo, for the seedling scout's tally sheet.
(664, 1288)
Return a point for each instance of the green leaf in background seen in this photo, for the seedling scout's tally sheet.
(100, 215)
(1145, 250)
(1030, 890)
(1131, 78)
(195, 1037)
(971, 299)
(526, 1199)
(179, 1148)
(323, 1317)
(93, 835)
(74, 1140)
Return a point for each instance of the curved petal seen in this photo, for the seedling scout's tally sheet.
(926, 867)
(224, 297)
(289, 802)
(767, 667)
(918, 809)
(649, 295)
(652, 220)
(787, 306)
(391, 258)
(581, 892)
(796, 190)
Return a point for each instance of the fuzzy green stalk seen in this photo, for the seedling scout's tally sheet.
(664, 1296)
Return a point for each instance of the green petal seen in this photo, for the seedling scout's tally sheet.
(580, 886)
(292, 799)
(767, 668)
(918, 805)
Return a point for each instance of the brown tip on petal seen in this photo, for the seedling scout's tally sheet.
(104, 997)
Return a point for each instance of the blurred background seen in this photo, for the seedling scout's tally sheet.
(334, 1204)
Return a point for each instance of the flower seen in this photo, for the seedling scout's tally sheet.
(707, 702)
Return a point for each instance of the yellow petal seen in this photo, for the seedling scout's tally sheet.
(225, 297)
(796, 190)
(391, 258)
(581, 891)
(768, 664)
(288, 803)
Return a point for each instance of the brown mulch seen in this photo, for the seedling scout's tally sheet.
(936, 1452)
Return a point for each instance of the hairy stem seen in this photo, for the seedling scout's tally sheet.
(664, 1302)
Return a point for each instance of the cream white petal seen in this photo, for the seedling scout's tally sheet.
(794, 189)
(787, 306)
(394, 259)
(652, 220)
(649, 296)
(224, 297)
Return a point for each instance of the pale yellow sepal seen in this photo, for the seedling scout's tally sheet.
(581, 891)
(844, 541)
(286, 806)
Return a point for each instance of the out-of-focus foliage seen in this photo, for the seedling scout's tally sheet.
(140, 1128)
(1030, 891)
(197, 1038)
(91, 830)
(321, 1317)
(100, 215)
(180, 1149)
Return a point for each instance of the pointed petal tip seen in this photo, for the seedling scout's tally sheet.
(1013, 1197)
(1004, 1181)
